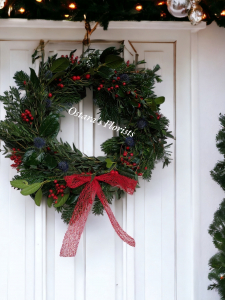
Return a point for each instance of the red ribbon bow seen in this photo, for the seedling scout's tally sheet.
(84, 204)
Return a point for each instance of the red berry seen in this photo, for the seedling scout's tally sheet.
(146, 168)
(31, 118)
(109, 89)
(98, 88)
(124, 83)
(27, 111)
(140, 174)
(78, 62)
(101, 86)
(24, 82)
(113, 81)
(76, 57)
(118, 78)
(78, 77)
(56, 201)
(55, 181)
(27, 120)
(66, 56)
(129, 157)
(115, 72)
(128, 93)
(49, 196)
(51, 191)
(116, 86)
(116, 172)
(131, 154)
(116, 96)
(74, 78)
(128, 62)
(124, 153)
(139, 105)
(134, 164)
(158, 117)
(14, 149)
(31, 123)
(136, 96)
(22, 115)
(61, 85)
(56, 184)
(60, 79)
(112, 172)
(88, 76)
(128, 148)
(30, 115)
(62, 195)
(112, 88)
(62, 55)
(50, 95)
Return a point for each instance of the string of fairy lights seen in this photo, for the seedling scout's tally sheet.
(73, 7)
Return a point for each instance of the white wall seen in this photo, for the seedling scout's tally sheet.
(211, 48)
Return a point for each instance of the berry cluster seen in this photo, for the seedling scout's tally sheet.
(60, 84)
(129, 163)
(73, 60)
(16, 158)
(59, 190)
(27, 117)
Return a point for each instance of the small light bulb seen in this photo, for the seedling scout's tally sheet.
(161, 3)
(22, 10)
(204, 17)
(138, 7)
(39, 0)
(66, 16)
(72, 6)
(223, 13)
(9, 11)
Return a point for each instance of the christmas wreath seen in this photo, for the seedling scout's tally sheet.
(73, 182)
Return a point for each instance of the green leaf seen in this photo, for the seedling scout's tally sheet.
(38, 197)
(109, 50)
(50, 161)
(49, 202)
(120, 92)
(108, 163)
(59, 74)
(159, 100)
(60, 64)
(19, 183)
(30, 189)
(113, 61)
(105, 72)
(33, 78)
(49, 126)
(62, 200)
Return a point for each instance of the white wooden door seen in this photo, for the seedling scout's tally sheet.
(104, 267)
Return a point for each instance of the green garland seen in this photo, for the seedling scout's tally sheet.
(123, 95)
(105, 11)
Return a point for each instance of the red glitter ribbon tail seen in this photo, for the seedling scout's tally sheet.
(121, 233)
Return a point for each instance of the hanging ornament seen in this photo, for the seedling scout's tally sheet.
(178, 8)
(195, 14)
(2, 4)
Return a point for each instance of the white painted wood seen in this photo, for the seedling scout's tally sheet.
(12, 23)
(105, 268)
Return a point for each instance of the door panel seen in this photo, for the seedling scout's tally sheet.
(104, 267)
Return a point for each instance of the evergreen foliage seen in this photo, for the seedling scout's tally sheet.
(217, 228)
(105, 11)
(31, 126)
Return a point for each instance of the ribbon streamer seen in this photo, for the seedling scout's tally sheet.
(84, 204)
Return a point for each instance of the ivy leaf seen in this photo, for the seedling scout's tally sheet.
(109, 163)
(62, 200)
(33, 78)
(38, 197)
(19, 183)
(49, 126)
(50, 161)
(113, 61)
(60, 64)
(30, 189)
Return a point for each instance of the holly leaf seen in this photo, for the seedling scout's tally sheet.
(113, 61)
(62, 200)
(105, 72)
(60, 65)
(30, 189)
(159, 100)
(49, 126)
(20, 184)
(33, 78)
(38, 197)
(59, 74)
(50, 161)
(109, 163)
